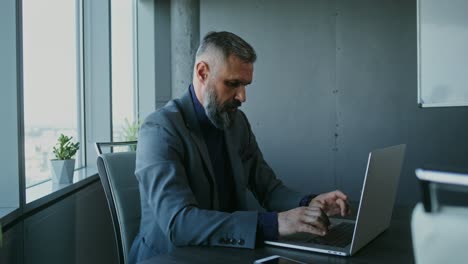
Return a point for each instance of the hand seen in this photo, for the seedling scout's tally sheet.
(332, 203)
(303, 219)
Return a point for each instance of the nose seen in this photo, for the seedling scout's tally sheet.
(240, 94)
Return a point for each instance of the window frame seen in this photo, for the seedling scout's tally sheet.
(80, 85)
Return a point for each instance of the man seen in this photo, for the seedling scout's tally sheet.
(197, 158)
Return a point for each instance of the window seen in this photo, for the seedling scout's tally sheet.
(123, 89)
(54, 82)
(50, 82)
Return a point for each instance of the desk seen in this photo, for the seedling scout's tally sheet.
(392, 246)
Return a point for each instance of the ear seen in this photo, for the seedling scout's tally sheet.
(202, 70)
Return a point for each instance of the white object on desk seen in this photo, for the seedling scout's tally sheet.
(440, 237)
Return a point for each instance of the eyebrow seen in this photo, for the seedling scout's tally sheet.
(238, 81)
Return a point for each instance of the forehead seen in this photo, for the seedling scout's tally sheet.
(236, 69)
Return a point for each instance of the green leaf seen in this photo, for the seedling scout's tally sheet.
(130, 131)
(65, 148)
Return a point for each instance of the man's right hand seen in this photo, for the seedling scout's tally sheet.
(303, 220)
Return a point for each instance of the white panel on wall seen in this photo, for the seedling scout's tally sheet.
(442, 53)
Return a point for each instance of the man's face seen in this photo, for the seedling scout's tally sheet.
(225, 91)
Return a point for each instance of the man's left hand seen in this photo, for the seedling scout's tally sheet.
(332, 203)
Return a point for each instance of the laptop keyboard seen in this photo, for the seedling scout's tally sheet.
(338, 236)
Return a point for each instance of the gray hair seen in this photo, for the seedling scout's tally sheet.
(229, 44)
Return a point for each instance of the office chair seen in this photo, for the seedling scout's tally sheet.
(438, 224)
(117, 174)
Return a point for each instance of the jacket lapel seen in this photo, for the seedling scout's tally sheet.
(191, 122)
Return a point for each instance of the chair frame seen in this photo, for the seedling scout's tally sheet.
(103, 175)
(98, 145)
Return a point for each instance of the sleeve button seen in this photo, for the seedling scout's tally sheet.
(241, 242)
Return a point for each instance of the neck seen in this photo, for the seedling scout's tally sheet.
(198, 92)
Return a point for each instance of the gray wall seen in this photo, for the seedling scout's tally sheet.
(334, 80)
(77, 229)
(162, 9)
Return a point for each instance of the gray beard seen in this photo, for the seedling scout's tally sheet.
(216, 113)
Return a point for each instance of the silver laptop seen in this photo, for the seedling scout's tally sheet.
(346, 237)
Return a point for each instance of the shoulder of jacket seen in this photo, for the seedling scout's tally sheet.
(166, 116)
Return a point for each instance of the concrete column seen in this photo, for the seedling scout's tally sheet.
(185, 38)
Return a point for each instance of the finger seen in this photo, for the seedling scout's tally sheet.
(333, 209)
(318, 214)
(305, 228)
(347, 210)
(316, 222)
(340, 195)
(343, 206)
(313, 210)
(330, 209)
(316, 203)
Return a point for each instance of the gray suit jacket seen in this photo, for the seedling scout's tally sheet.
(179, 198)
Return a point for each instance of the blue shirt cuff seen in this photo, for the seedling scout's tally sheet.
(267, 226)
(306, 200)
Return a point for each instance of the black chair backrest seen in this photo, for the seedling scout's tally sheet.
(117, 174)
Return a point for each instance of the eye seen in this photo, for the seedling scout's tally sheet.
(232, 84)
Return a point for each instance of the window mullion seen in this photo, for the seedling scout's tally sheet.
(97, 75)
(80, 84)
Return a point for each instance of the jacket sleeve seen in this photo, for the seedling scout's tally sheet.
(271, 193)
(164, 183)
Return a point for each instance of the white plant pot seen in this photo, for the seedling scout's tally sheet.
(62, 171)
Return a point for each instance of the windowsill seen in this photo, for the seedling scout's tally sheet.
(46, 192)
(4, 211)
(8, 215)
(47, 188)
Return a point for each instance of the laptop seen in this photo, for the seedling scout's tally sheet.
(346, 236)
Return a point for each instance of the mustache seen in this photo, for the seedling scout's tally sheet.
(233, 104)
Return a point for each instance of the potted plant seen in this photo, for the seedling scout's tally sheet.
(130, 132)
(64, 164)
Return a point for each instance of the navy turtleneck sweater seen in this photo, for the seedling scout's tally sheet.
(214, 140)
(267, 222)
